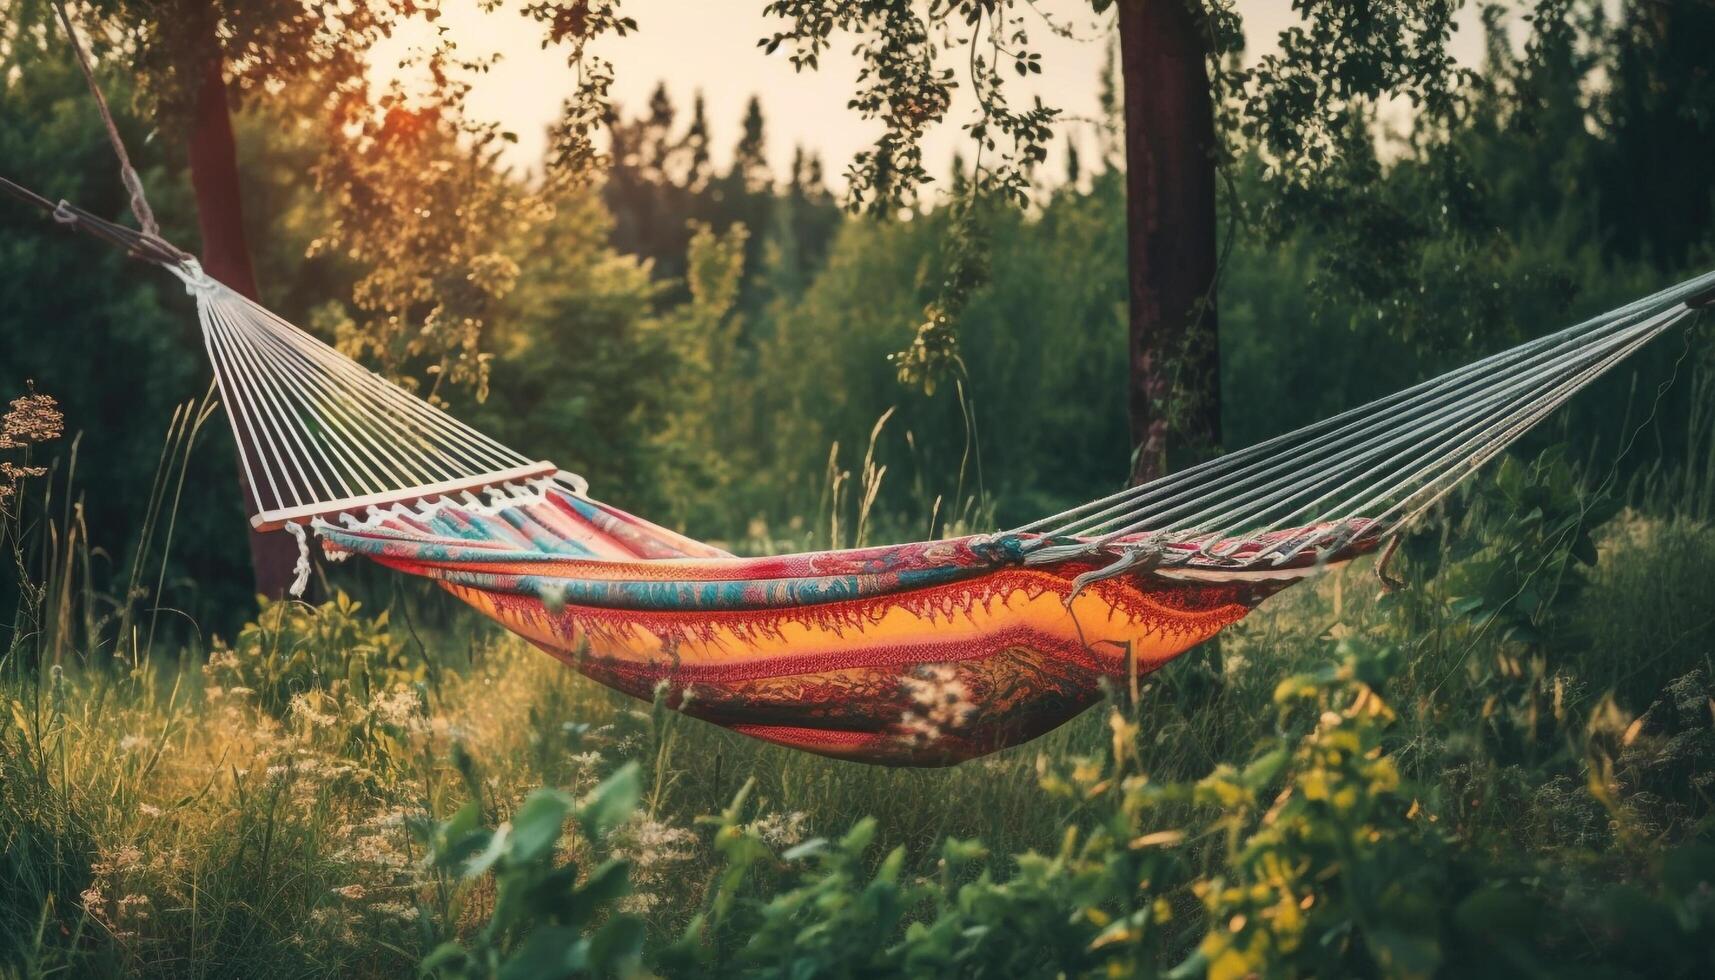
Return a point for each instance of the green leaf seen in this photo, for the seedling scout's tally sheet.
(1497, 910)
(1584, 549)
(809, 848)
(1264, 768)
(446, 954)
(554, 894)
(1401, 954)
(606, 884)
(1467, 605)
(617, 945)
(610, 804)
(537, 824)
(485, 858)
(958, 852)
(856, 840)
(548, 952)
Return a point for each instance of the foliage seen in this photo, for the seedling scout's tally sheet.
(545, 922)
(435, 274)
(1299, 102)
(1323, 862)
(574, 157)
(1334, 875)
(293, 650)
(907, 83)
(1538, 541)
(168, 46)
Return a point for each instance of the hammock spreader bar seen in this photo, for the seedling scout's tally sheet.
(916, 654)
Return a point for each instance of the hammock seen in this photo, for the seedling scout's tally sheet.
(927, 653)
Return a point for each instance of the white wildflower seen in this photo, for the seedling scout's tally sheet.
(304, 711)
(128, 856)
(398, 910)
(398, 706)
(781, 829)
(654, 849)
(93, 901)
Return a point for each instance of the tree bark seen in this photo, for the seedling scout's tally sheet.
(1174, 403)
(226, 257)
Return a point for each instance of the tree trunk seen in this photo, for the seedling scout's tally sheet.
(226, 257)
(1174, 403)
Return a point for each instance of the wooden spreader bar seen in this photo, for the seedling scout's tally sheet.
(274, 520)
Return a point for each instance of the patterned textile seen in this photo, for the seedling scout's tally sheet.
(916, 654)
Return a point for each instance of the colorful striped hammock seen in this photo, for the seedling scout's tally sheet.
(915, 654)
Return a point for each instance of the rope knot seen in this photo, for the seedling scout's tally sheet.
(190, 273)
(300, 571)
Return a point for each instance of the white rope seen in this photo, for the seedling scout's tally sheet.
(1213, 475)
(300, 571)
(318, 433)
(322, 437)
(1390, 459)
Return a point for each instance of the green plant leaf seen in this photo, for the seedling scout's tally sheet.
(447, 954)
(537, 824)
(610, 804)
(489, 853)
(617, 945)
(547, 953)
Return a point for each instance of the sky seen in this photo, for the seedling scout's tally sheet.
(711, 46)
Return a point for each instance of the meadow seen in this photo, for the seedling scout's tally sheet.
(1501, 765)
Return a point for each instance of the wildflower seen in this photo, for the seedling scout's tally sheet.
(123, 859)
(33, 418)
(371, 849)
(654, 849)
(303, 710)
(781, 829)
(93, 901)
(398, 910)
(11, 475)
(397, 706)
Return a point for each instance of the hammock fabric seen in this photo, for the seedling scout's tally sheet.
(917, 654)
